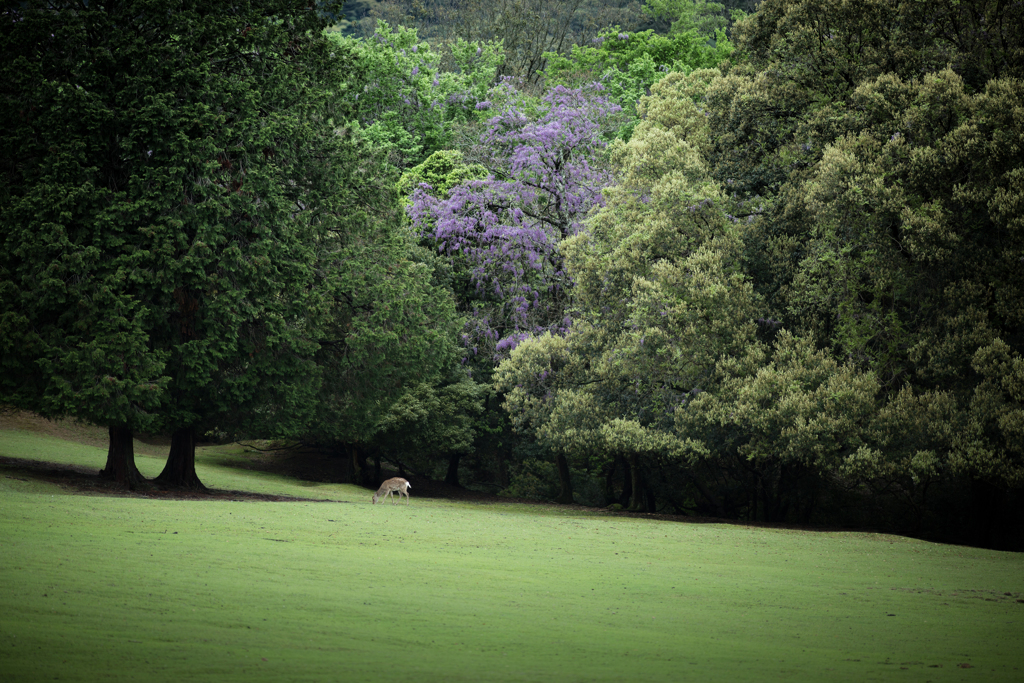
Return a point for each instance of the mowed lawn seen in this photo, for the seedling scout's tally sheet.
(96, 588)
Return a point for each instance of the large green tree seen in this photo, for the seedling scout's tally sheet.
(659, 301)
(875, 144)
(187, 224)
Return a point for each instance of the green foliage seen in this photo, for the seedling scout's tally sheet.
(659, 301)
(188, 142)
(429, 422)
(873, 144)
(533, 479)
(826, 187)
(628, 64)
(525, 29)
(783, 406)
(402, 101)
(442, 171)
(388, 326)
(705, 18)
(214, 249)
(914, 250)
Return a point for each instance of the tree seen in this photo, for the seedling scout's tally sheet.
(658, 302)
(388, 328)
(504, 231)
(706, 18)
(914, 251)
(496, 213)
(789, 415)
(526, 29)
(177, 184)
(403, 101)
(432, 423)
(874, 135)
(628, 64)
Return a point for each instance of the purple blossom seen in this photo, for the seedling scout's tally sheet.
(415, 70)
(508, 226)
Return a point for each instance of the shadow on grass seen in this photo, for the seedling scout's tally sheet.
(87, 480)
(304, 466)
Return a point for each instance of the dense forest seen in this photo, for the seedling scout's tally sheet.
(756, 262)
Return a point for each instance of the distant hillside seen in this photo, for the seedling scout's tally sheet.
(528, 28)
(435, 19)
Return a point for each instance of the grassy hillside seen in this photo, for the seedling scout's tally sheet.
(133, 588)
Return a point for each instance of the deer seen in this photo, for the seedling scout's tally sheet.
(388, 488)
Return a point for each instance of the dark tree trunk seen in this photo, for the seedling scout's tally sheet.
(360, 470)
(376, 467)
(180, 470)
(347, 474)
(710, 497)
(627, 481)
(609, 481)
(649, 500)
(564, 481)
(363, 473)
(985, 504)
(121, 458)
(357, 471)
(503, 479)
(636, 501)
(452, 476)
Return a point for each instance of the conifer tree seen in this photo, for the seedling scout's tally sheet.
(184, 217)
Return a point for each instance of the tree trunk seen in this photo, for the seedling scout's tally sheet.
(624, 498)
(636, 500)
(359, 468)
(180, 470)
(362, 470)
(452, 476)
(649, 500)
(503, 479)
(347, 475)
(357, 471)
(609, 481)
(121, 458)
(564, 481)
(985, 504)
(376, 467)
(710, 497)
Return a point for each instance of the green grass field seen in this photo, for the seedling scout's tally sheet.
(96, 588)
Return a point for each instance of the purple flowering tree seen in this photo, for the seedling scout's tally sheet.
(546, 166)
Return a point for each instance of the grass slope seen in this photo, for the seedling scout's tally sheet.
(101, 588)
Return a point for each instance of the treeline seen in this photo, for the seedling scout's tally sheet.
(761, 266)
(767, 268)
(530, 29)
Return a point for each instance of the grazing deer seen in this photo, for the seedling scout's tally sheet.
(389, 488)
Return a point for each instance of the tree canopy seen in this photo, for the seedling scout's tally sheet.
(761, 266)
(188, 228)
